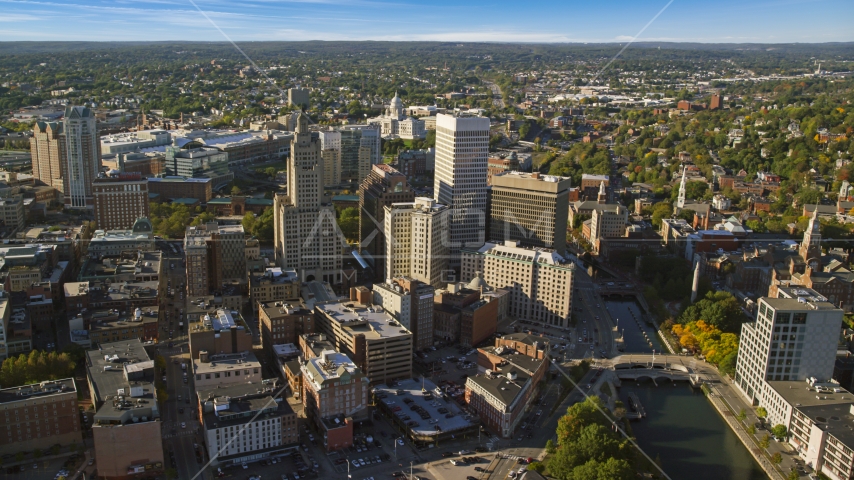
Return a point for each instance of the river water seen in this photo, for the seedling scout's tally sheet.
(681, 427)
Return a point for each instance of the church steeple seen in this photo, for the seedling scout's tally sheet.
(603, 195)
(810, 249)
(680, 201)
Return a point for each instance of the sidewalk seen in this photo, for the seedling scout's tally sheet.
(728, 398)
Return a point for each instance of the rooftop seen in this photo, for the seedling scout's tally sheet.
(797, 304)
(412, 389)
(38, 390)
(512, 251)
(371, 321)
(226, 362)
(329, 366)
(237, 404)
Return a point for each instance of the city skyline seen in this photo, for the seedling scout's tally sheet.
(771, 21)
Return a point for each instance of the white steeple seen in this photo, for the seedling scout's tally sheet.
(695, 286)
(680, 201)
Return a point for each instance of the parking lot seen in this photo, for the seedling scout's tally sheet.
(446, 470)
(294, 465)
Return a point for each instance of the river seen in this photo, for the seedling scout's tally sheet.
(688, 435)
(681, 427)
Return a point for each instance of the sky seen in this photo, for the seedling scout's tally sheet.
(617, 21)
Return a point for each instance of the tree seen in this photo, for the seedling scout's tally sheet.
(761, 413)
(779, 431)
(660, 211)
(751, 429)
(793, 475)
(765, 442)
(171, 473)
(537, 466)
(348, 222)
(742, 415)
(776, 458)
(550, 446)
(235, 190)
(719, 309)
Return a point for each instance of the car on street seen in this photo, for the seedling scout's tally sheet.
(183, 425)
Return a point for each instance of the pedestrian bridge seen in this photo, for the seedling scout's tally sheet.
(658, 368)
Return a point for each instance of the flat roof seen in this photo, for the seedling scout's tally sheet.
(413, 390)
(39, 390)
(794, 304)
(330, 365)
(107, 381)
(374, 322)
(226, 362)
(232, 400)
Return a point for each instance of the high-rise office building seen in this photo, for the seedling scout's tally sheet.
(120, 200)
(215, 254)
(382, 187)
(462, 150)
(530, 208)
(360, 148)
(82, 156)
(416, 240)
(47, 149)
(307, 237)
(410, 302)
(298, 97)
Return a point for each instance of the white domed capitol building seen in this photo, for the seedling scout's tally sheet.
(394, 124)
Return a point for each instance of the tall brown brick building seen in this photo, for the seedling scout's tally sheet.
(120, 200)
(39, 416)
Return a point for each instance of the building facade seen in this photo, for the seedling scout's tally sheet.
(306, 236)
(119, 201)
(47, 150)
(540, 281)
(529, 208)
(39, 416)
(82, 156)
(411, 303)
(282, 322)
(382, 187)
(416, 240)
(462, 149)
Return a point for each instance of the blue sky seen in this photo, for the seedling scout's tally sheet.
(708, 21)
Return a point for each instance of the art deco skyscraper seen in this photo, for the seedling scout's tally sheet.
(82, 156)
(306, 236)
(462, 151)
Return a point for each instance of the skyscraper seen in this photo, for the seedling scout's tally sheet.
(530, 208)
(360, 148)
(83, 156)
(416, 241)
(382, 187)
(47, 149)
(306, 236)
(462, 151)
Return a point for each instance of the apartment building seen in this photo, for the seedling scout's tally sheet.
(335, 394)
(462, 150)
(216, 330)
(120, 200)
(410, 302)
(529, 208)
(283, 322)
(47, 150)
(126, 427)
(275, 283)
(223, 369)
(215, 254)
(82, 156)
(416, 240)
(373, 339)
(246, 423)
(506, 382)
(608, 223)
(12, 213)
(539, 280)
(382, 187)
(791, 339)
(39, 416)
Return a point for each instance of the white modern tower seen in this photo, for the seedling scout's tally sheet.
(462, 149)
